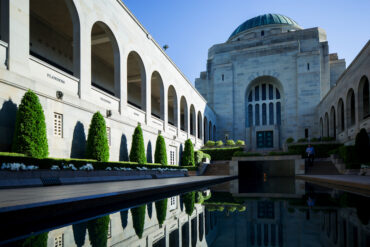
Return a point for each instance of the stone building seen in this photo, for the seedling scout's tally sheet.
(266, 80)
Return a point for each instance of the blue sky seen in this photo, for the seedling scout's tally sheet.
(191, 27)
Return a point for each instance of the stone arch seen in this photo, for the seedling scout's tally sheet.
(200, 124)
(183, 114)
(193, 130)
(333, 123)
(214, 133)
(350, 108)
(321, 127)
(105, 60)
(205, 129)
(157, 96)
(210, 134)
(341, 115)
(363, 99)
(136, 81)
(326, 125)
(54, 35)
(172, 106)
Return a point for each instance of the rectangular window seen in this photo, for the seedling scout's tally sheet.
(308, 66)
(59, 241)
(256, 93)
(263, 91)
(58, 125)
(306, 133)
(108, 136)
(173, 150)
(271, 92)
(264, 115)
(173, 203)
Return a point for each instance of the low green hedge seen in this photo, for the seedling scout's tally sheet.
(321, 150)
(245, 154)
(47, 163)
(349, 155)
(221, 153)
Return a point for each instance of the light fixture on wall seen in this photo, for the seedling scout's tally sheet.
(109, 113)
(59, 95)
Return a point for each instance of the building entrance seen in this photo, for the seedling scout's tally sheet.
(265, 139)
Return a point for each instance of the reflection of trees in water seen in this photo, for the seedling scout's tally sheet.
(361, 203)
(79, 233)
(98, 231)
(138, 219)
(150, 209)
(40, 240)
(124, 215)
(189, 201)
(161, 209)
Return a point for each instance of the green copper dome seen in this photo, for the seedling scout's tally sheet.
(262, 20)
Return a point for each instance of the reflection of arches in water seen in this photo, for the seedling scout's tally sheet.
(200, 226)
(194, 232)
(174, 238)
(185, 234)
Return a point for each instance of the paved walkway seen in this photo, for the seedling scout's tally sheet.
(353, 181)
(21, 198)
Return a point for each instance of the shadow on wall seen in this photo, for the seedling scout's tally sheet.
(8, 114)
(181, 149)
(149, 153)
(78, 148)
(123, 151)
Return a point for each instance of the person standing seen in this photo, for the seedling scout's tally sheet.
(310, 151)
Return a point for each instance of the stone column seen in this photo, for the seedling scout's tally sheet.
(19, 36)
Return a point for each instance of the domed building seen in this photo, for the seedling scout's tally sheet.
(265, 82)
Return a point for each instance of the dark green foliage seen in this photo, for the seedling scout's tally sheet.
(230, 143)
(321, 150)
(362, 146)
(210, 144)
(219, 143)
(289, 140)
(47, 163)
(40, 240)
(349, 155)
(30, 128)
(315, 139)
(97, 147)
(240, 143)
(98, 231)
(302, 140)
(327, 139)
(199, 197)
(137, 153)
(138, 219)
(199, 156)
(79, 233)
(189, 201)
(160, 155)
(221, 153)
(161, 209)
(188, 154)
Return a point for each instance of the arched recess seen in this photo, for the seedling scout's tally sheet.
(4, 20)
(326, 127)
(350, 108)
(333, 123)
(192, 120)
(210, 134)
(321, 128)
(55, 35)
(172, 106)
(341, 124)
(157, 96)
(205, 129)
(136, 81)
(183, 114)
(105, 60)
(200, 124)
(214, 132)
(363, 99)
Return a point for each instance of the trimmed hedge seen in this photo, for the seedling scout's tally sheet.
(230, 143)
(189, 201)
(47, 163)
(160, 155)
(97, 147)
(219, 143)
(199, 156)
(240, 143)
(210, 144)
(138, 219)
(137, 153)
(30, 128)
(321, 150)
(289, 140)
(221, 153)
(98, 231)
(188, 154)
(161, 209)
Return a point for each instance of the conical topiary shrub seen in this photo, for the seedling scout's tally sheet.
(138, 219)
(160, 155)
(30, 128)
(97, 142)
(188, 154)
(362, 146)
(161, 209)
(137, 153)
(98, 231)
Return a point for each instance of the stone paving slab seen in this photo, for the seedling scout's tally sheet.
(23, 198)
(354, 181)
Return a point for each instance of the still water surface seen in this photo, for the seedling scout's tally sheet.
(279, 212)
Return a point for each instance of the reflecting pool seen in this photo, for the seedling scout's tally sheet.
(297, 214)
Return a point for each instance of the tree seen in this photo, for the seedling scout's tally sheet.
(39, 240)
(189, 201)
(160, 155)
(161, 209)
(138, 219)
(30, 128)
(97, 142)
(188, 155)
(137, 153)
(98, 231)
(362, 146)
